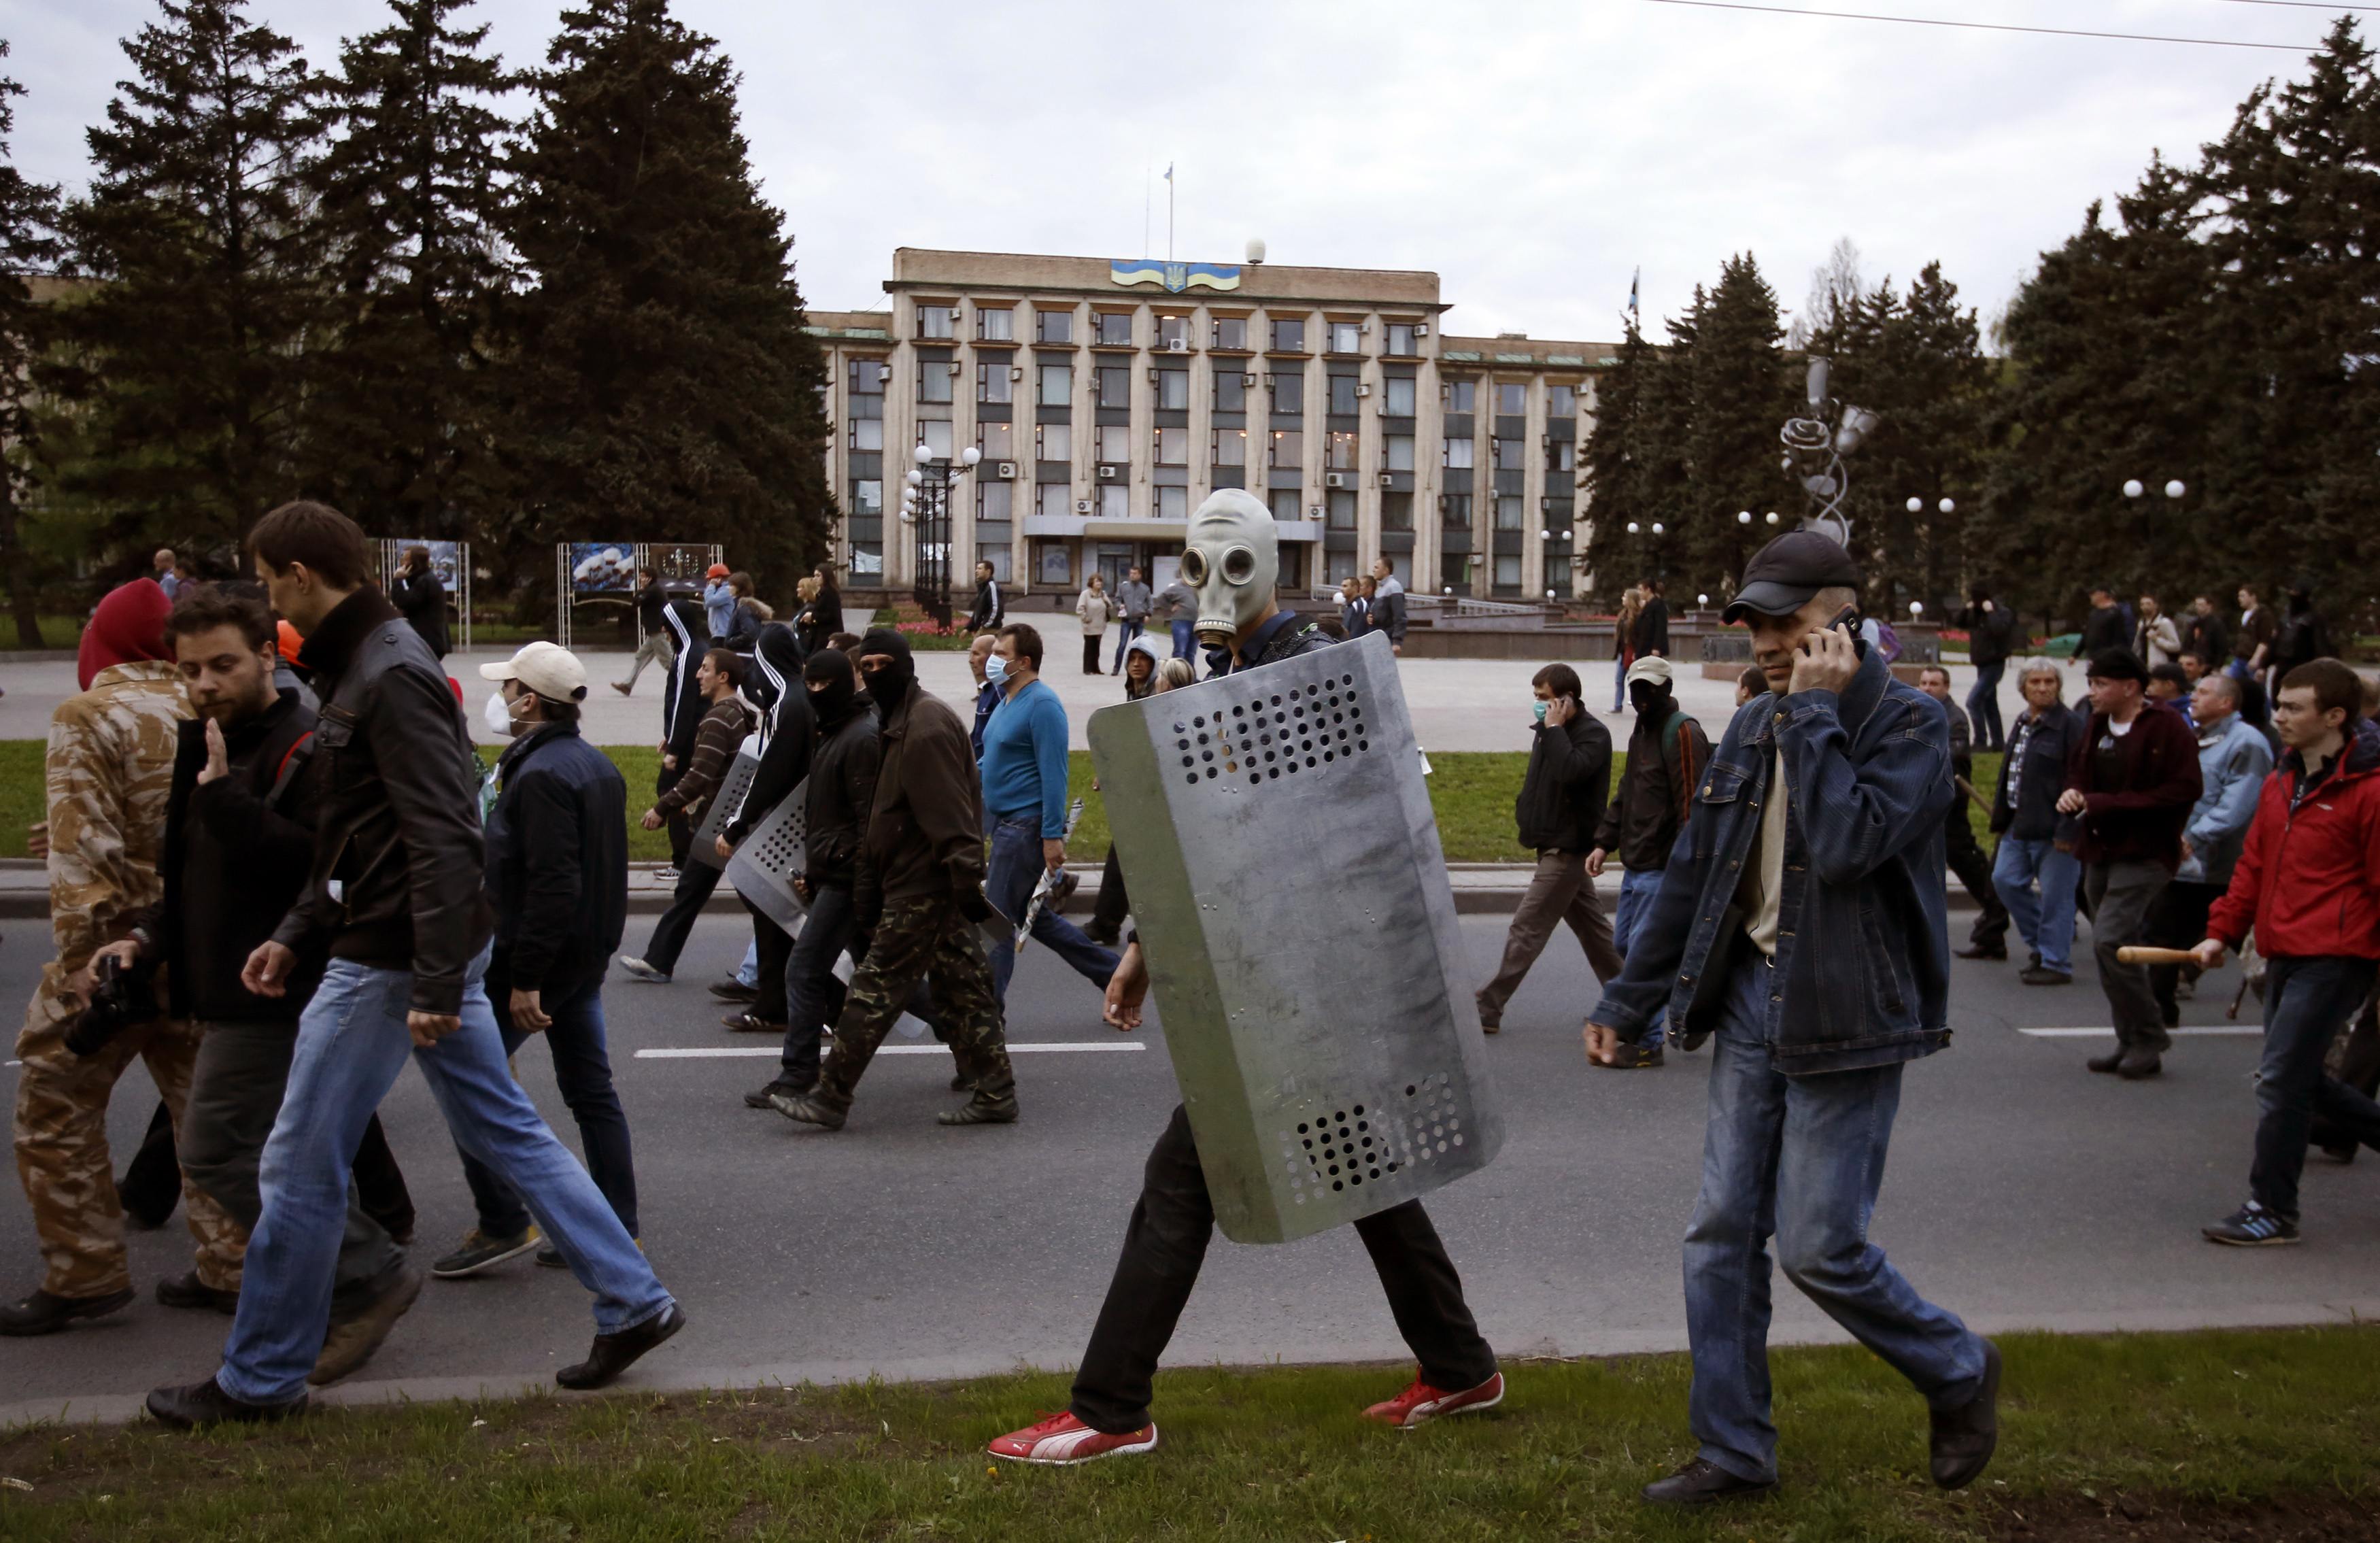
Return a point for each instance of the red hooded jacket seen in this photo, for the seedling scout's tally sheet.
(128, 624)
(2310, 878)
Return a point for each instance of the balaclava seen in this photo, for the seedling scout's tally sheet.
(890, 686)
(832, 694)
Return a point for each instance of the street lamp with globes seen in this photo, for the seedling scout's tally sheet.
(926, 505)
(2133, 490)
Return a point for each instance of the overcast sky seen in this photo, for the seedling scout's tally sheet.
(1532, 156)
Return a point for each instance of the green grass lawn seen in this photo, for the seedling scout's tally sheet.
(1473, 793)
(2216, 1426)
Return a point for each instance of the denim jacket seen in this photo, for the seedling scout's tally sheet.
(1863, 943)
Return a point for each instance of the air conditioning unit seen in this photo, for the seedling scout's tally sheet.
(1008, 468)
(956, 369)
(1248, 383)
(1177, 345)
(883, 373)
(1152, 372)
(1422, 330)
(1363, 391)
(1111, 473)
(956, 315)
(1445, 502)
(1082, 505)
(1335, 480)
(1387, 479)
(1015, 371)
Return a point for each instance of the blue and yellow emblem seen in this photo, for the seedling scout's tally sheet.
(1174, 276)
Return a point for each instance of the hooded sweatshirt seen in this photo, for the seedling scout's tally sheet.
(788, 728)
(128, 625)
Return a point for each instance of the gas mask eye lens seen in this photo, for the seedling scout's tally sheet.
(1239, 564)
(1193, 566)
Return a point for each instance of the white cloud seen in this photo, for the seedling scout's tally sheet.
(1532, 156)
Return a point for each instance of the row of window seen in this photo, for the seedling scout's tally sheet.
(1112, 329)
(1112, 387)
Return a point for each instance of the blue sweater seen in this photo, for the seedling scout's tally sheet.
(1024, 758)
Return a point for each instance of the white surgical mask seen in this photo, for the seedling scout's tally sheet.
(995, 669)
(499, 715)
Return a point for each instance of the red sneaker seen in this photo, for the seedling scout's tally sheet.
(1063, 1439)
(1421, 1402)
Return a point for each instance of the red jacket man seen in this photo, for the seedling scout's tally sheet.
(2309, 882)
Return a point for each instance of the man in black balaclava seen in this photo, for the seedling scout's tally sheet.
(788, 735)
(1667, 750)
(918, 891)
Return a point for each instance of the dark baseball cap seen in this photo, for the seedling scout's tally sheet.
(1782, 575)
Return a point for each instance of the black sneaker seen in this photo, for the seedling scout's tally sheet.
(477, 1251)
(2037, 976)
(186, 1290)
(1981, 951)
(805, 1109)
(982, 1109)
(2108, 1063)
(758, 1098)
(733, 990)
(2252, 1226)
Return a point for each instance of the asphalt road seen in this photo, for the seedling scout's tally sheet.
(2023, 1192)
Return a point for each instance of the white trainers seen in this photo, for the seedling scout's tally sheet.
(643, 971)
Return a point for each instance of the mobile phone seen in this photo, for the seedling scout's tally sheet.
(1850, 619)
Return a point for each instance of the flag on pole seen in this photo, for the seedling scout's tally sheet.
(1168, 171)
(1632, 280)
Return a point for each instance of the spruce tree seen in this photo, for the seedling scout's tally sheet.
(28, 244)
(184, 364)
(400, 432)
(1741, 397)
(1613, 473)
(664, 388)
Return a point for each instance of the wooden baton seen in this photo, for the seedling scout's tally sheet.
(2143, 955)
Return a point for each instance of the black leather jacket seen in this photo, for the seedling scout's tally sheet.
(399, 831)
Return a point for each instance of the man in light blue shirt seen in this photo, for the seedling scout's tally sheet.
(1025, 802)
(2234, 760)
(718, 603)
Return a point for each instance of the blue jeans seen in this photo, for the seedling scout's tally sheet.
(1637, 888)
(582, 1070)
(2307, 1002)
(1800, 1158)
(1123, 640)
(351, 1044)
(1983, 706)
(748, 972)
(1016, 866)
(2046, 924)
(1619, 682)
(1184, 639)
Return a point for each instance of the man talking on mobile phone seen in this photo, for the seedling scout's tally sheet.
(1802, 919)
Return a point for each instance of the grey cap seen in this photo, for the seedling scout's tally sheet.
(1782, 575)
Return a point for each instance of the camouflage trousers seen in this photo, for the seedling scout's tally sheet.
(62, 1156)
(920, 941)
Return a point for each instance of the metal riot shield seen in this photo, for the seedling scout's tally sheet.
(734, 784)
(1292, 899)
(764, 867)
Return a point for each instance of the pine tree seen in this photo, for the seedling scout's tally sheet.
(400, 432)
(2296, 190)
(664, 386)
(1613, 471)
(29, 243)
(184, 364)
(1741, 397)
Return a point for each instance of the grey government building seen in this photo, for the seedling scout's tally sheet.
(1107, 398)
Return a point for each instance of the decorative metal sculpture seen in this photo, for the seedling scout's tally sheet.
(1815, 449)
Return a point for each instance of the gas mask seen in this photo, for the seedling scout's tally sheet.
(1232, 560)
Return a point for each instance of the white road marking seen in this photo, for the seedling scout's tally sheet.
(2109, 1033)
(715, 1053)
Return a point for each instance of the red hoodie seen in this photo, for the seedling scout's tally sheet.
(2310, 877)
(128, 624)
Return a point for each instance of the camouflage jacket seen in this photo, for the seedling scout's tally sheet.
(110, 770)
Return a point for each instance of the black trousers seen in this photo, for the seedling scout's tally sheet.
(1109, 911)
(2358, 1065)
(695, 882)
(2178, 920)
(775, 945)
(1165, 1244)
(1974, 871)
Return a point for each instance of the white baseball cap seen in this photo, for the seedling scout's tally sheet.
(1651, 667)
(548, 669)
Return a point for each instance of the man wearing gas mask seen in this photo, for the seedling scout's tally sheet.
(1232, 563)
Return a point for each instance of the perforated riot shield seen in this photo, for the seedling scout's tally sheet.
(772, 858)
(1292, 900)
(734, 784)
